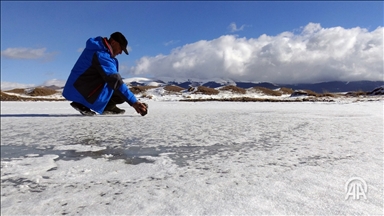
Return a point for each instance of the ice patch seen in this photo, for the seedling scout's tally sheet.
(79, 148)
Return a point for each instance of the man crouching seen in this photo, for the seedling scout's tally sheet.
(95, 84)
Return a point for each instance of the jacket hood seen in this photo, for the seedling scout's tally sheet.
(95, 44)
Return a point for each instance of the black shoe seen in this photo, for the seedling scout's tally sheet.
(82, 109)
(113, 110)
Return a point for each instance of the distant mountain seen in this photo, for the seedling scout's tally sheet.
(261, 84)
(185, 84)
(140, 81)
(377, 91)
(334, 86)
(54, 87)
(338, 86)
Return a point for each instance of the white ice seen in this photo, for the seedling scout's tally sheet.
(184, 158)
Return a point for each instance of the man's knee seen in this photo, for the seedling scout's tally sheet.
(117, 99)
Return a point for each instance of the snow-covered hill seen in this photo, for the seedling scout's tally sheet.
(333, 87)
(218, 89)
(141, 81)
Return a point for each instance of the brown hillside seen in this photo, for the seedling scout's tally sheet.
(173, 88)
(206, 90)
(39, 91)
(6, 97)
(285, 90)
(42, 92)
(233, 89)
(17, 91)
(140, 89)
(266, 91)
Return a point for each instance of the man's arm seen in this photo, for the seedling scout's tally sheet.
(108, 70)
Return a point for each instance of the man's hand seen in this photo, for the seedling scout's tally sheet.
(141, 108)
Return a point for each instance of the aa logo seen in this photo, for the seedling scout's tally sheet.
(356, 188)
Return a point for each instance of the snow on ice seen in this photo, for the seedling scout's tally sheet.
(184, 158)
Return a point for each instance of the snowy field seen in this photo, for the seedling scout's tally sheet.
(184, 158)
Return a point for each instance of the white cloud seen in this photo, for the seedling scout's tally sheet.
(171, 42)
(123, 69)
(233, 28)
(315, 54)
(11, 85)
(26, 53)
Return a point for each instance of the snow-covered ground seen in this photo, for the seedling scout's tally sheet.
(184, 158)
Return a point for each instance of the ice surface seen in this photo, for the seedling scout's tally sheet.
(191, 158)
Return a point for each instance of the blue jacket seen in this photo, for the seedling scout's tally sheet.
(94, 77)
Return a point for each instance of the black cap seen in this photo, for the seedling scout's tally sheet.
(117, 36)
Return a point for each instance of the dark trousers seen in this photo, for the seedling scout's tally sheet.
(115, 99)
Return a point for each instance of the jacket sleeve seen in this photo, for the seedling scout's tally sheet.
(109, 71)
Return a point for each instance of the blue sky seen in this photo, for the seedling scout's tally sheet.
(247, 40)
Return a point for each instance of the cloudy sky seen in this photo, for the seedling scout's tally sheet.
(280, 42)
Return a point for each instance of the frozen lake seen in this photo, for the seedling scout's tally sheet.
(200, 158)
